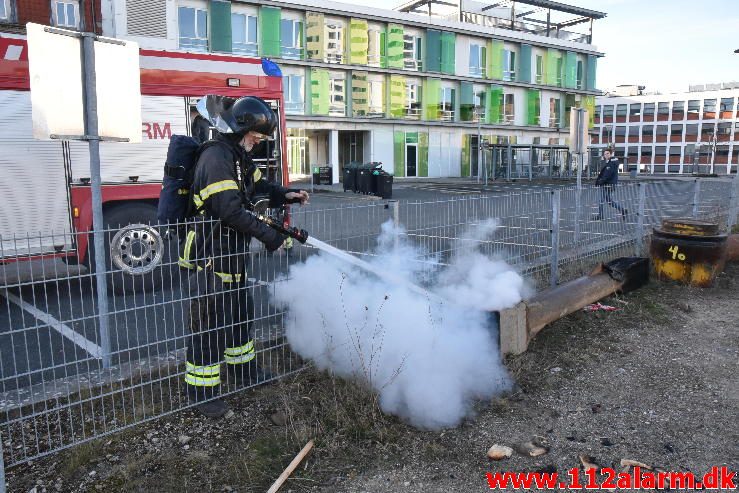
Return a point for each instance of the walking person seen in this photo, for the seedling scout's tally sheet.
(607, 180)
(216, 248)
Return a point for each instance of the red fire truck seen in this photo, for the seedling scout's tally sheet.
(45, 186)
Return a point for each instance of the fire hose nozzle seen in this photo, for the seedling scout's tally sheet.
(299, 234)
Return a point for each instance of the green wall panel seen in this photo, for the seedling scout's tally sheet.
(433, 51)
(592, 65)
(466, 101)
(525, 63)
(588, 102)
(220, 26)
(495, 60)
(398, 96)
(319, 91)
(494, 105)
(431, 98)
(360, 94)
(314, 36)
(269, 31)
(552, 57)
(394, 46)
(466, 155)
(358, 41)
(570, 79)
(423, 154)
(533, 106)
(399, 153)
(448, 48)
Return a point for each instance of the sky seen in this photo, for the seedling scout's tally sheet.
(665, 45)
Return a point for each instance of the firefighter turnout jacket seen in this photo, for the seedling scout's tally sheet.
(225, 180)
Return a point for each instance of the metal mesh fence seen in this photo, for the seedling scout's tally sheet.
(64, 380)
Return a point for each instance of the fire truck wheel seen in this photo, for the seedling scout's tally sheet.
(137, 255)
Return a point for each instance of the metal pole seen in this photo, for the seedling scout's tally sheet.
(396, 221)
(2, 467)
(554, 268)
(696, 197)
(509, 155)
(91, 125)
(531, 162)
(640, 219)
(733, 203)
(479, 145)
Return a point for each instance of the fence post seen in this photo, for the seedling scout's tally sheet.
(510, 162)
(2, 467)
(733, 203)
(696, 197)
(396, 222)
(578, 199)
(531, 162)
(554, 269)
(640, 219)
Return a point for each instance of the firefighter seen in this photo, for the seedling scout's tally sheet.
(221, 309)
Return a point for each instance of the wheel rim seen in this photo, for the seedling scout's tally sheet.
(136, 249)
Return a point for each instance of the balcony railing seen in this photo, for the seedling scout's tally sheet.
(294, 107)
(518, 25)
(413, 113)
(477, 71)
(446, 115)
(250, 49)
(292, 52)
(194, 44)
(413, 64)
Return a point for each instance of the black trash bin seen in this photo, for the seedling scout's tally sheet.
(382, 184)
(364, 179)
(350, 177)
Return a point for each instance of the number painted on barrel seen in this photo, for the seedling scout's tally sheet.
(675, 253)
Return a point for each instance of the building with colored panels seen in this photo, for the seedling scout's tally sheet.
(694, 131)
(412, 88)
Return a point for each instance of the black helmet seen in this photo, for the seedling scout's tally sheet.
(250, 114)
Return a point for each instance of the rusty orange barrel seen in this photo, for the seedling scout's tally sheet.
(688, 251)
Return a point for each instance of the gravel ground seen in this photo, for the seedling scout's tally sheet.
(655, 381)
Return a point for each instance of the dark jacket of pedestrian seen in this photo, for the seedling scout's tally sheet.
(608, 173)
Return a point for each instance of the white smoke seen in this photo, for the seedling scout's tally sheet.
(428, 360)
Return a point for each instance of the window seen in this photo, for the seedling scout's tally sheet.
(691, 132)
(509, 115)
(478, 60)
(5, 11)
(294, 91)
(621, 110)
(709, 108)
(694, 108)
(334, 46)
(509, 65)
(539, 69)
(727, 106)
(580, 74)
(647, 131)
(337, 95)
(554, 112)
(707, 132)
(662, 131)
(559, 76)
(635, 112)
(608, 111)
(193, 26)
(412, 51)
(447, 103)
(376, 89)
(480, 96)
(244, 34)
(648, 111)
(663, 109)
(620, 133)
(646, 153)
(413, 100)
(64, 13)
(597, 113)
(291, 39)
(678, 110)
(676, 132)
(375, 48)
(723, 131)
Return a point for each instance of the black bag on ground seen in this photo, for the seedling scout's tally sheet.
(175, 199)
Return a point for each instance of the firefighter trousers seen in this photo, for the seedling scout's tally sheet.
(219, 321)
